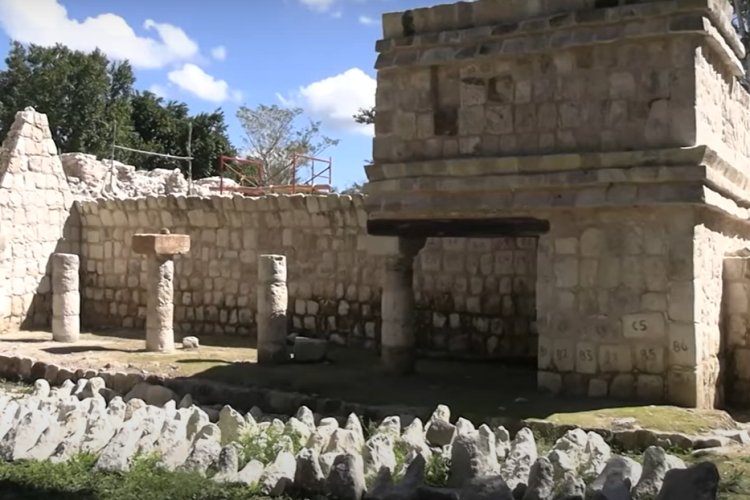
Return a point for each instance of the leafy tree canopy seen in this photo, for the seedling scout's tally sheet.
(85, 94)
(273, 135)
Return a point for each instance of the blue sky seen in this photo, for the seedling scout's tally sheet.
(317, 54)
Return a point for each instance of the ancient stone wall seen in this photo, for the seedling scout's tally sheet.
(615, 291)
(722, 298)
(35, 220)
(476, 296)
(540, 85)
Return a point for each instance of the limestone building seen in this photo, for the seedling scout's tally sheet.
(616, 134)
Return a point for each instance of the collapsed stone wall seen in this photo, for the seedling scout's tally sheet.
(35, 220)
(90, 178)
(475, 295)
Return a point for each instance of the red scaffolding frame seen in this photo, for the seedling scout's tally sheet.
(257, 181)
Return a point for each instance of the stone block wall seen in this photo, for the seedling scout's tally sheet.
(483, 79)
(476, 296)
(35, 221)
(615, 292)
(722, 106)
(723, 316)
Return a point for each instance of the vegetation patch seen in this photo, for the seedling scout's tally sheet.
(76, 480)
(658, 418)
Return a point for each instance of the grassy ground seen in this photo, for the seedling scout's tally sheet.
(658, 418)
(735, 477)
(76, 480)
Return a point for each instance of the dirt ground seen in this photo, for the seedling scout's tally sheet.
(471, 389)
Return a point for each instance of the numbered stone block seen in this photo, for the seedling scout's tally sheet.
(545, 349)
(646, 325)
(564, 355)
(586, 358)
(615, 359)
(682, 349)
(649, 358)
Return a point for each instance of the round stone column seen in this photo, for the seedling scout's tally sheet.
(66, 298)
(272, 309)
(160, 304)
(160, 250)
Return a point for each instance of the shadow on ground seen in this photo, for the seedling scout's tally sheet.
(474, 389)
(488, 388)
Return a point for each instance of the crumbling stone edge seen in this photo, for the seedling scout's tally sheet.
(274, 401)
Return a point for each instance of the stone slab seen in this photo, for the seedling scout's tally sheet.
(161, 244)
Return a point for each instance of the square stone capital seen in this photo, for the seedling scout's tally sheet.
(161, 244)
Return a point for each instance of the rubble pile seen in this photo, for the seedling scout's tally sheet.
(90, 178)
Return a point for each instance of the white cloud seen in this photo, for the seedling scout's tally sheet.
(46, 22)
(318, 5)
(367, 20)
(194, 80)
(159, 90)
(219, 53)
(334, 100)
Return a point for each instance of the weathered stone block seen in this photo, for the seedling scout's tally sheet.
(647, 325)
(161, 244)
(615, 358)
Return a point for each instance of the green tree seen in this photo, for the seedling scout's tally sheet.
(84, 95)
(164, 127)
(274, 136)
(80, 93)
(365, 116)
(354, 188)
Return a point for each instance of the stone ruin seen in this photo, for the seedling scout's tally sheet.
(90, 178)
(611, 133)
(556, 182)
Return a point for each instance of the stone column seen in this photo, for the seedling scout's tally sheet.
(66, 298)
(160, 304)
(160, 250)
(398, 336)
(272, 309)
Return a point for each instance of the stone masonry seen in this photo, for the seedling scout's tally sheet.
(572, 172)
(474, 297)
(616, 134)
(35, 219)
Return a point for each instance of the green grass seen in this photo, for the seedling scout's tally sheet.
(76, 480)
(659, 418)
(15, 388)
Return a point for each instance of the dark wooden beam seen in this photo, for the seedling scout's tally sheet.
(459, 228)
